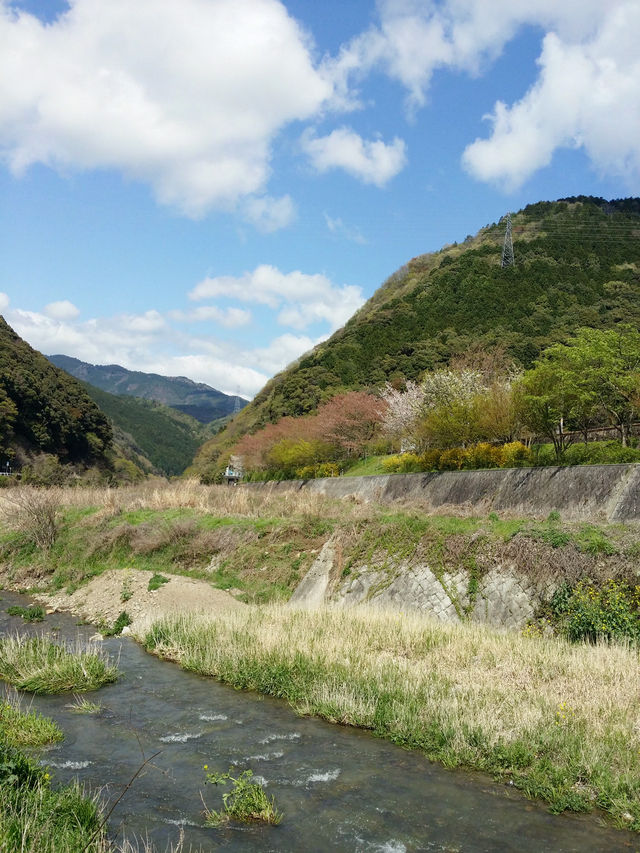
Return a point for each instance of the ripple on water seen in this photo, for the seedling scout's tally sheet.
(213, 718)
(271, 738)
(318, 776)
(68, 765)
(262, 756)
(181, 737)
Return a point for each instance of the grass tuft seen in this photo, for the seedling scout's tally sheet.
(38, 665)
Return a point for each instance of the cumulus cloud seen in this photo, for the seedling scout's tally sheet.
(63, 310)
(587, 85)
(301, 298)
(4, 301)
(161, 343)
(586, 96)
(372, 161)
(269, 214)
(185, 95)
(231, 318)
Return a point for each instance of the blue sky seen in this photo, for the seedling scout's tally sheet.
(210, 187)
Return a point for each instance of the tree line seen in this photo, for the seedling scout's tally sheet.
(482, 404)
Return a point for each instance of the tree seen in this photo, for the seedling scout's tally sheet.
(595, 371)
(404, 409)
(350, 420)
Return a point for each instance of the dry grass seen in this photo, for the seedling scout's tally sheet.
(562, 721)
(218, 500)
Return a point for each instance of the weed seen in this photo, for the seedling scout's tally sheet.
(121, 622)
(156, 581)
(81, 705)
(127, 592)
(34, 513)
(33, 613)
(246, 801)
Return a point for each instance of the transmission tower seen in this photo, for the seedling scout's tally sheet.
(237, 405)
(507, 249)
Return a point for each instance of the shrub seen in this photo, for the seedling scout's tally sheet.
(453, 459)
(483, 455)
(430, 459)
(515, 454)
(586, 612)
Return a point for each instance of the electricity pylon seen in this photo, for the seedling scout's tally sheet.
(507, 249)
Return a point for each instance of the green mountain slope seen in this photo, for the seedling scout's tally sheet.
(577, 263)
(44, 410)
(162, 436)
(193, 398)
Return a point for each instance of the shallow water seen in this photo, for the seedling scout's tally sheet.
(340, 789)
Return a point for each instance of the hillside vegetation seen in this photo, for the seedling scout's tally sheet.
(577, 265)
(43, 410)
(153, 436)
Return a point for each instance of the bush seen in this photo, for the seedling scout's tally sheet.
(515, 455)
(430, 459)
(586, 612)
(483, 455)
(452, 459)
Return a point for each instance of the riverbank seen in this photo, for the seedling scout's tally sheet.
(557, 721)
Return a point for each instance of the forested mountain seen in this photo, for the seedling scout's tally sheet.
(151, 435)
(197, 399)
(577, 264)
(44, 410)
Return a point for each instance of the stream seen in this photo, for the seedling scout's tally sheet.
(340, 789)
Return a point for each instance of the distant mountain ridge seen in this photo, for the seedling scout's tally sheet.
(197, 399)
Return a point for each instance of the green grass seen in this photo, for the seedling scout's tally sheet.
(156, 581)
(33, 613)
(37, 665)
(25, 728)
(557, 720)
(366, 467)
(36, 818)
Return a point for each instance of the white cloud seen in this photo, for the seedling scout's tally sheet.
(302, 298)
(231, 318)
(341, 229)
(372, 161)
(63, 310)
(4, 301)
(186, 95)
(269, 214)
(285, 349)
(586, 96)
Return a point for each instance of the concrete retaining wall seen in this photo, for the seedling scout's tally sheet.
(582, 492)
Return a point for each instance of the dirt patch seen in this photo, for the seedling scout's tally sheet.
(104, 598)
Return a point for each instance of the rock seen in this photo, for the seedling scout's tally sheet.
(96, 638)
(126, 630)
